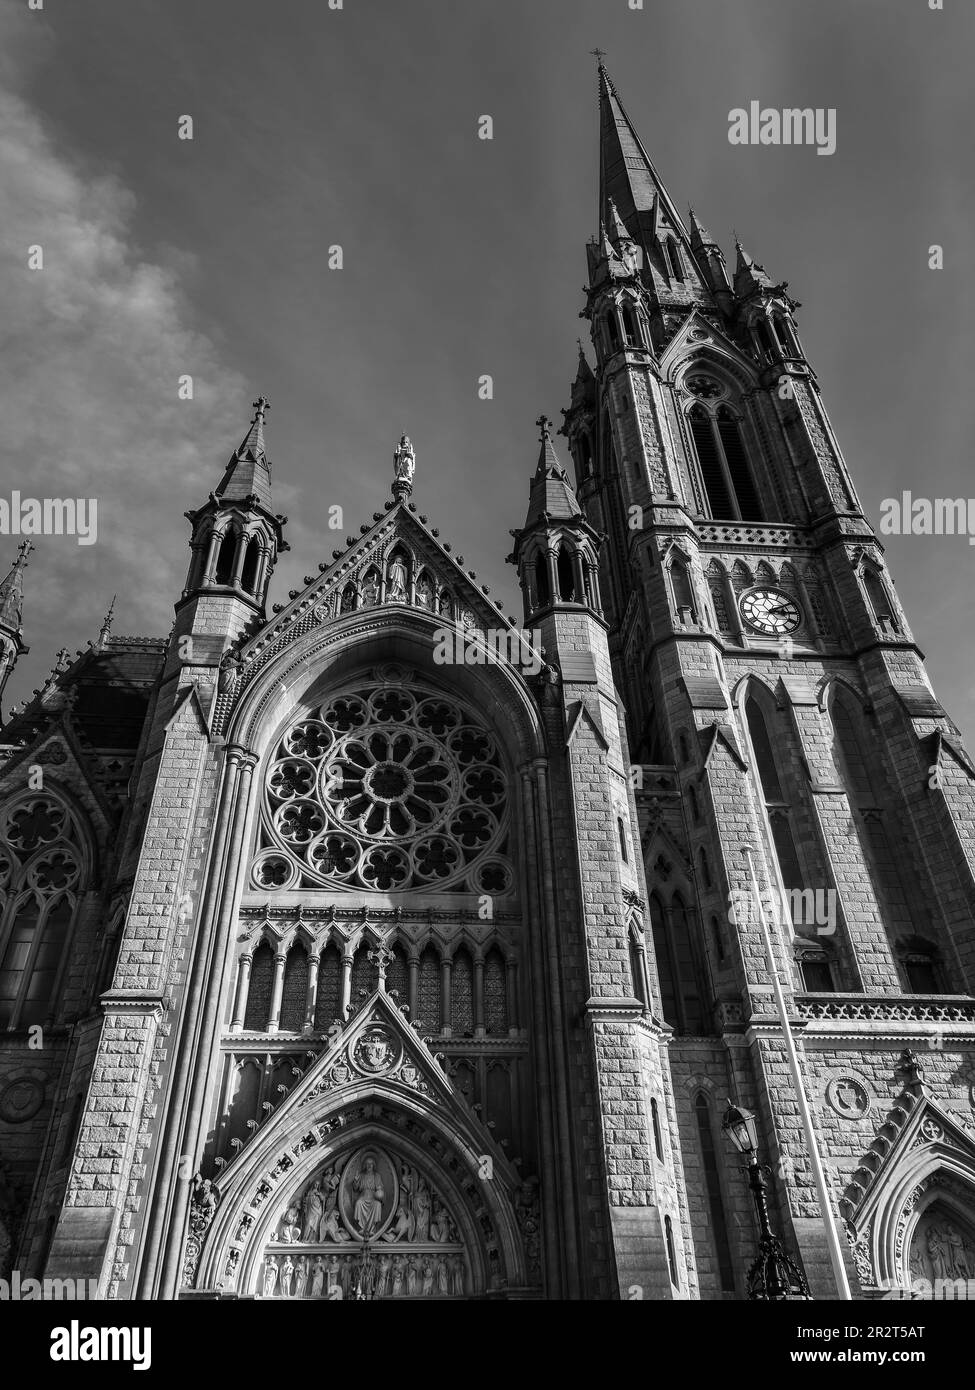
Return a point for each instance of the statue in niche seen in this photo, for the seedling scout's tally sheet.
(411, 1274)
(290, 1227)
(368, 1210)
(961, 1254)
(317, 1277)
(937, 1243)
(334, 1273)
(313, 1208)
(381, 1284)
(348, 1275)
(399, 1272)
(443, 1286)
(440, 1231)
(270, 1276)
(457, 1274)
(421, 1207)
(396, 581)
(445, 606)
(370, 590)
(348, 599)
(424, 592)
(426, 1288)
(301, 1275)
(287, 1275)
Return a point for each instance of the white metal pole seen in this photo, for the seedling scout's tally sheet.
(816, 1163)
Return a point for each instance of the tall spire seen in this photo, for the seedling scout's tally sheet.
(248, 474)
(551, 492)
(12, 591)
(12, 643)
(626, 171)
(106, 628)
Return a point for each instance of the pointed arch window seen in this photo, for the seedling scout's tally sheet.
(258, 1011)
(542, 588)
(225, 558)
(778, 810)
(621, 830)
(41, 877)
(612, 331)
(880, 603)
(295, 992)
(675, 260)
(248, 574)
(658, 1143)
(683, 590)
(718, 1224)
(671, 1252)
(724, 466)
(328, 996)
(637, 970)
(852, 748)
(563, 569)
(462, 995)
(681, 997)
(631, 330)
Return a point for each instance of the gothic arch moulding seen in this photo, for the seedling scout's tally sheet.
(374, 1176)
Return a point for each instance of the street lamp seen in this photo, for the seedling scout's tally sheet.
(773, 1277)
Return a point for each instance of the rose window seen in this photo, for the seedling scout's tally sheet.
(385, 788)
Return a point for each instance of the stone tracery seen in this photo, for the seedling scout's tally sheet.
(387, 788)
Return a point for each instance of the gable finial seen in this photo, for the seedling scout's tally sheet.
(404, 466)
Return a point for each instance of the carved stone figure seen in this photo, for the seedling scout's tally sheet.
(270, 1276)
(399, 1276)
(457, 1274)
(314, 1206)
(440, 1224)
(396, 582)
(317, 1277)
(370, 590)
(424, 592)
(290, 1227)
(334, 1273)
(411, 1274)
(287, 1276)
(427, 1285)
(443, 1276)
(404, 460)
(937, 1243)
(381, 1283)
(368, 1210)
(421, 1207)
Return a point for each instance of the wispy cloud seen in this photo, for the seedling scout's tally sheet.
(92, 347)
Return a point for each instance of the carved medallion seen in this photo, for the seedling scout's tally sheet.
(21, 1100)
(376, 1051)
(848, 1097)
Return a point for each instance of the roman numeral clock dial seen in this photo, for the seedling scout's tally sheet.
(770, 611)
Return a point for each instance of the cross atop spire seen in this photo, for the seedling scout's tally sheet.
(248, 473)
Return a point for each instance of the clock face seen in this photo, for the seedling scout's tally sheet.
(770, 611)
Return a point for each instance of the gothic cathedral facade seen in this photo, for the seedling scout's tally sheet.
(338, 959)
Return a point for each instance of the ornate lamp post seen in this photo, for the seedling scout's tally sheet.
(773, 1277)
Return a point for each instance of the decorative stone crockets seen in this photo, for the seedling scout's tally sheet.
(373, 1179)
(921, 1157)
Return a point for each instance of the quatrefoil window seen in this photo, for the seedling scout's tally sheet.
(385, 787)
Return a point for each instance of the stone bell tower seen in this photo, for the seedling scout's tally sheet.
(775, 695)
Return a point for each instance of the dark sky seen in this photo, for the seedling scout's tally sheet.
(462, 257)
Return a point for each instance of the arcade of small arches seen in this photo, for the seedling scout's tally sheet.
(304, 983)
(563, 571)
(402, 578)
(235, 553)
